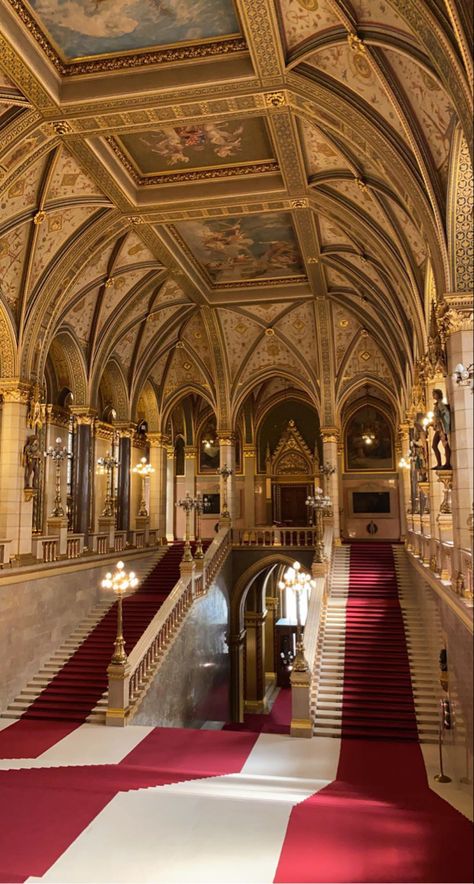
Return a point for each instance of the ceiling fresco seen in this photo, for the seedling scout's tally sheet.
(246, 248)
(196, 147)
(107, 27)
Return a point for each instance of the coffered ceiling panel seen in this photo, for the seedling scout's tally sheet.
(247, 248)
(197, 148)
(109, 27)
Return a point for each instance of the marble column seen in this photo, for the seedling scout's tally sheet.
(16, 505)
(250, 471)
(158, 460)
(103, 447)
(459, 347)
(330, 437)
(404, 476)
(124, 484)
(83, 471)
(227, 458)
(170, 493)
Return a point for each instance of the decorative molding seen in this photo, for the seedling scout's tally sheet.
(463, 245)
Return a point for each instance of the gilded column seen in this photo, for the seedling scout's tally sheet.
(83, 480)
(250, 469)
(158, 460)
(330, 436)
(16, 505)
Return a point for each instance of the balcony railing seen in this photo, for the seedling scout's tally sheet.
(272, 536)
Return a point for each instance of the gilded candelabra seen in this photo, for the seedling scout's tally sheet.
(107, 465)
(187, 504)
(225, 472)
(144, 470)
(58, 454)
(298, 581)
(320, 503)
(119, 582)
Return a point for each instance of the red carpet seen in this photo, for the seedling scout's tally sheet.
(277, 721)
(75, 690)
(379, 821)
(43, 811)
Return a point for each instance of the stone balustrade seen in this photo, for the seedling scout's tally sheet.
(127, 683)
(272, 536)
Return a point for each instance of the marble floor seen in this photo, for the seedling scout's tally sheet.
(144, 804)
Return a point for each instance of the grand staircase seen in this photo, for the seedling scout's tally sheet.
(72, 685)
(375, 675)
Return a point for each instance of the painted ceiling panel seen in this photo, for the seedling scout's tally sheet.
(303, 18)
(80, 316)
(57, 227)
(380, 14)
(333, 233)
(12, 259)
(195, 333)
(156, 328)
(433, 108)
(411, 231)
(356, 73)
(117, 293)
(345, 328)
(268, 311)
(240, 334)
(128, 25)
(363, 199)
(299, 327)
(23, 192)
(366, 357)
(272, 353)
(68, 180)
(320, 153)
(134, 251)
(183, 370)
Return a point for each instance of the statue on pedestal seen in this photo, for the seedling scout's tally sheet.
(442, 426)
(31, 461)
(419, 449)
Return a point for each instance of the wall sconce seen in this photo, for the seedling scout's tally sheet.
(464, 376)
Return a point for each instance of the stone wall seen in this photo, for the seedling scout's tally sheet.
(36, 617)
(192, 685)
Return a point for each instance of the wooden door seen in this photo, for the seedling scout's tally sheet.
(293, 504)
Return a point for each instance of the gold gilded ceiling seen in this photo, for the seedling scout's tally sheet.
(231, 181)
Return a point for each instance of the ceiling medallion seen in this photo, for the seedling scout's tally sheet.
(39, 218)
(365, 355)
(275, 99)
(299, 204)
(269, 332)
(343, 323)
(356, 43)
(61, 127)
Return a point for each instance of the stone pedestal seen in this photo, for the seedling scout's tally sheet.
(107, 526)
(301, 721)
(119, 689)
(143, 524)
(58, 526)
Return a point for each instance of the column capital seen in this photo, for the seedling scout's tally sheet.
(456, 312)
(15, 390)
(104, 431)
(126, 429)
(250, 451)
(158, 440)
(57, 416)
(330, 433)
(83, 414)
(226, 437)
(190, 452)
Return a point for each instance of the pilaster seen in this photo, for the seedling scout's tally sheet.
(330, 436)
(250, 469)
(158, 460)
(227, 458)
(16, 512)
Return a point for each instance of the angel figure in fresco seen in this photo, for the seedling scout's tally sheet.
(166, 143)
(229, 238)
(227, 144)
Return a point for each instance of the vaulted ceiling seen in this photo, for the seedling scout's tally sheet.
(209, 193)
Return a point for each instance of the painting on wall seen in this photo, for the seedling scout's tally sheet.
(246, 248)
(369, 443)
(90, 28)
(198, 146)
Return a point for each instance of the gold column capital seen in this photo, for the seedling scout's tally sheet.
(330, 434)
(250, 451)
(83, 414)
(158, 440)
(456, 312)
(15, 390)
(226, 437)
(126, 429)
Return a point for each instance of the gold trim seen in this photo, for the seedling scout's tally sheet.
(224, 45)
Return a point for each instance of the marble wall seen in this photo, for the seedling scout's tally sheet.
(192, 684)
(37, 615)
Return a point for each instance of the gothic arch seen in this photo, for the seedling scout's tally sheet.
(67, 362)
(7, 345)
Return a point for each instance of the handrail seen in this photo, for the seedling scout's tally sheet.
(265, 536)
(126, 687)
(302, 679)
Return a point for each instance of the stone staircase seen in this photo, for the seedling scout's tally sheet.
(56, 662)
(423, 649)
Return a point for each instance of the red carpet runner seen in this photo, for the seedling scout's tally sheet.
(379, 821)
(75, 690)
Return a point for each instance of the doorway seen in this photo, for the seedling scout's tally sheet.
(290, 504)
